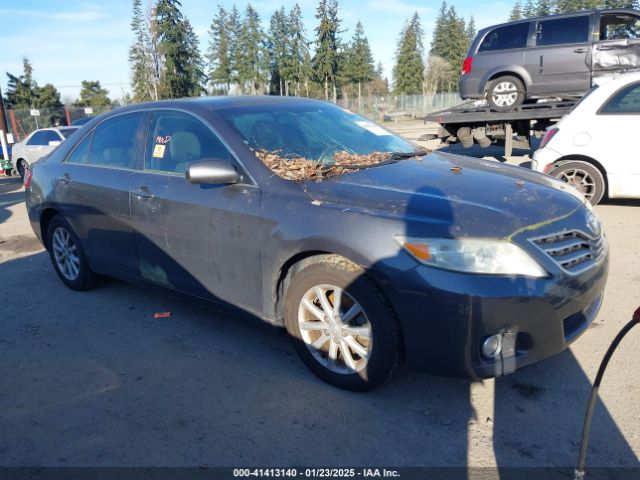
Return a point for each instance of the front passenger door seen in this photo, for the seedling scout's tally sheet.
(559, 63)
(199, 239)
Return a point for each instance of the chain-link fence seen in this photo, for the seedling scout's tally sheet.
(400, 107)
(24, 121)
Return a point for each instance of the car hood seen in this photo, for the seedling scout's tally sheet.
(451, 196)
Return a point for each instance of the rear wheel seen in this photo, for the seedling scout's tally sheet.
(341, 325)
(67, 255)
(584, 177)
(505, 93)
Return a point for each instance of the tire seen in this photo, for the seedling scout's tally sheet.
(370, 336)
(505, 93)
(586, 178)
(22, 166)
(67, 255)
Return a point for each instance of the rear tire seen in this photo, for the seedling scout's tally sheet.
(67, 255)
(355, 351)
(584, 177)
(505, 93)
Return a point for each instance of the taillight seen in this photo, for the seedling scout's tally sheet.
(467, 64)
(27, 177)
(551, 132)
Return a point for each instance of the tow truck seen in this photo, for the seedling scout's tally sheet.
(474, 122)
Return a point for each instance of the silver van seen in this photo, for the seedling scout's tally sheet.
(553, 56)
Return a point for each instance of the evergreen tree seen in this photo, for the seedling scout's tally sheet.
(234, 25)
(408, 71)
(219, 54)
(173, 45)
(379, 85)
(516, 12)
(529, 9)
(47, 97)
(544, 7)
(279, 51)
(440, 40)
(252, 61)
(299, 64)
(325, 61)
(194, 62)
(142, 77)
(92, 95)
(21, 90)
(471, 30)
(360, 67)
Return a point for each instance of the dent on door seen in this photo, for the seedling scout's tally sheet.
(615, 56)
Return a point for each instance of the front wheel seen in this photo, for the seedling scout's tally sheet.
(68, 256)
(341, 325)
(505, 93)
(584, 177)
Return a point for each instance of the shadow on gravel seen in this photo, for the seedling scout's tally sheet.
(10, 195)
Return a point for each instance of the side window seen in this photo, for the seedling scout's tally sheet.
(505, 38)
(563, 31)
(80, 154)
(114, 141)
(626, 100)
(619, 27)
(175, 139)
(43, 137)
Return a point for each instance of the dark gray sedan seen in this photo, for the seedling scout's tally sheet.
(313, 218)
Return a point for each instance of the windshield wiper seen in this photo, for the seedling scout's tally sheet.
(404, 155)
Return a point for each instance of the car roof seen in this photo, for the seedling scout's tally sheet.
(562, 15)
(222, 102)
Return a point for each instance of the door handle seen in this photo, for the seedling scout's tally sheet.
(580, 50)
(143, 192)
(64, 178)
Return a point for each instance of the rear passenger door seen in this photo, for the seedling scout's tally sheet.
(94, 191)
(199, 239)
(559, 61)
(38, 145)
(618, 45)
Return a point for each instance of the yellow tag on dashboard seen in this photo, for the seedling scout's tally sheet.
(158, 151)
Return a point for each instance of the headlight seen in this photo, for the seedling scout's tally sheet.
(473, 255)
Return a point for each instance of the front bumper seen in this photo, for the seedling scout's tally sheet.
(445, 316)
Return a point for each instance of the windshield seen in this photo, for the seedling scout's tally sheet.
(322, 135)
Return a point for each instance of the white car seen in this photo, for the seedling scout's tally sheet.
(38, 144)
(596, 146)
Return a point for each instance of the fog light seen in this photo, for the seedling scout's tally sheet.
(492, 346)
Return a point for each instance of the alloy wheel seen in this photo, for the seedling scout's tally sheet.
(65, 253)
(335, 329)
(580, 180)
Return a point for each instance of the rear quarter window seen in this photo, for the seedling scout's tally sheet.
(506, 38)
(626, 100)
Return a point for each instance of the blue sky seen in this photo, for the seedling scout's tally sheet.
(76, 40)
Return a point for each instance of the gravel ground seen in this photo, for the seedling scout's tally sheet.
(92, 379)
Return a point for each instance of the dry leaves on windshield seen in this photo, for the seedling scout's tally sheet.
(300, 168)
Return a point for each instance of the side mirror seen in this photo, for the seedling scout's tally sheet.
(212, 171)
(54, 143)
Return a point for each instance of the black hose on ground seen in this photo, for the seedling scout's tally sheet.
(586, 428)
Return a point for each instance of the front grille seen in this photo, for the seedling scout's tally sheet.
(574, 251)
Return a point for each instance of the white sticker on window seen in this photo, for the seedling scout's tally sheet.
(373, 128)
(158, 151)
